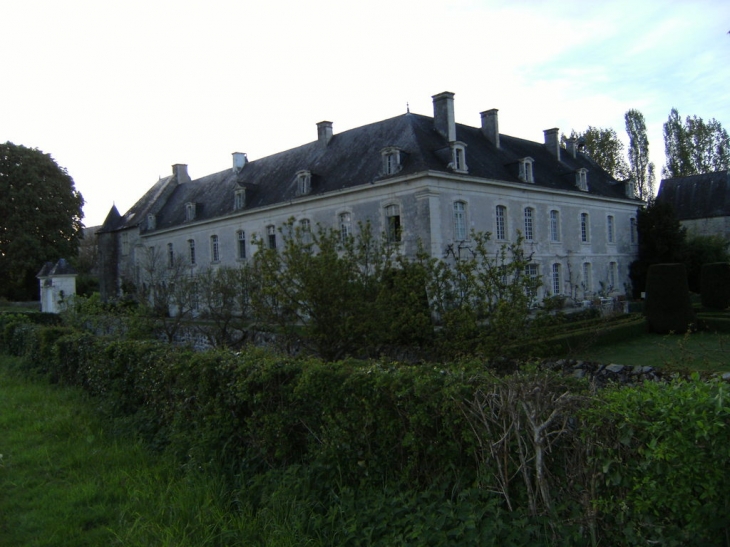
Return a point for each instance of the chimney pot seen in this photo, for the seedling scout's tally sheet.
(490, 126)
(324, 133)
(239, 160)
(443, 115)
(180, 171)
(552, 141)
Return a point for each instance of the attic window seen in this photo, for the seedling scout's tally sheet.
(304, 182)
(190, 211)
(581, 179)
(391, 160)
(458, 157)
(239, 199)
(151, 222)
(525, 174)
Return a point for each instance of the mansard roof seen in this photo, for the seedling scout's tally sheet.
(353, 158)
(698, 196)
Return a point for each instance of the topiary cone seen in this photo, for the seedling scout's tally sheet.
(667, 307)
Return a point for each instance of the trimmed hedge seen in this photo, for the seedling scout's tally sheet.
(715, 285)
(668, 308)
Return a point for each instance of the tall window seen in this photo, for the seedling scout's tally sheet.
(458, 161)
(306, 230)
(239, 199)
(391, 160)
(529, 217)
(532, 271)
(190, 211)
(587, 277)
(191, 251)
(584, 228)
(501, 222)
(554, 225)
(610, 229)
(241, 238)
(125, 243)
(459, 220)
(215, 253)
(556, 278)
(392, 218)
(634, 238)
(581, 179)
(304, 183)
(170, 256)
(271, 235)
(612, 275)
(345, 226)
(525, 174)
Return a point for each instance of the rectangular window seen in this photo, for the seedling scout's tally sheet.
(556, 278)
(529, 215)
(170, 256)
(501, 222)
(459, 221)
(633, 231)
(612, 275)
(191, 249)
(394, 229)
(271, 234)
(554, 226)
(610, 229)
(532, 271)
(241, 237)
(125, 243)
(215, 249)
(239, 199)
(584, 228)
(587, 277)
(345, 226)
(306, 231)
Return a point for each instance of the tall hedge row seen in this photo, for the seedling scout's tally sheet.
(630, 466)
(715, 285)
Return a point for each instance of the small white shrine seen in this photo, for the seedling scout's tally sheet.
(58, 285)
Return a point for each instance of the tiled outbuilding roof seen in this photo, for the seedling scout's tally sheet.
(698, 196)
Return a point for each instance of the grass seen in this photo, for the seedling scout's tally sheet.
(66, 481)
(700, 351)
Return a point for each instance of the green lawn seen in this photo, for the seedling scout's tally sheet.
(698, 351)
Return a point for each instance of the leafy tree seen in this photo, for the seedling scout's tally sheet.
(640, 168)
(606, 149)
(699, 250)
(40, 217)
(661, 240)
(694, 146)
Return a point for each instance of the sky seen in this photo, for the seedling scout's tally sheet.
(118, 92)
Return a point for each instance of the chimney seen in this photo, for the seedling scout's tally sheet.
(324, 133)
(571, 146)
(490, 126)
(552, 142)
(239, 160)
(180, 171)
(443, 115)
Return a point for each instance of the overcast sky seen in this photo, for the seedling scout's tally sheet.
(117, 92)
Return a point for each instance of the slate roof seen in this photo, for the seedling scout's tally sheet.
(698, 196)
(353, 158)
(62, 267)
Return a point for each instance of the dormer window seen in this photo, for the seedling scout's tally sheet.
(458, 157)
(239, 199)
(525, 174)
(581, 179)
(151, 222)
(190, 211)
(391, 160)
(304, 182)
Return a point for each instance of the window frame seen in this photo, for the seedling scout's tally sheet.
(459, 216)
(610, 229)
(526, 171)
(239, 199)
(393, 224)
(529, 221)
(215, 249)
(241, 244)
(555, 278)
(271, 236)
(554, 219)
(345, 223)
(585, 228)
(500, 222)
(170, 255)
(587, 272)
(191, 252)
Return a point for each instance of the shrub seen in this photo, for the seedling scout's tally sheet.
(715, 285)
(668, 308)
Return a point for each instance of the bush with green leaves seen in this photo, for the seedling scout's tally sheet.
(668, 308)
(715, 285)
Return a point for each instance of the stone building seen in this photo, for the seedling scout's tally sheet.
(701, 202)
(417, 179)
(57, 284)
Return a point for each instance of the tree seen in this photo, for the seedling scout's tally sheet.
(640, 168)
(40, 218)
(661, 240)
(606, 149)
(694, 146)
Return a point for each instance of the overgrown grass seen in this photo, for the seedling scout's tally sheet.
(66, 481)
(700, 351)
